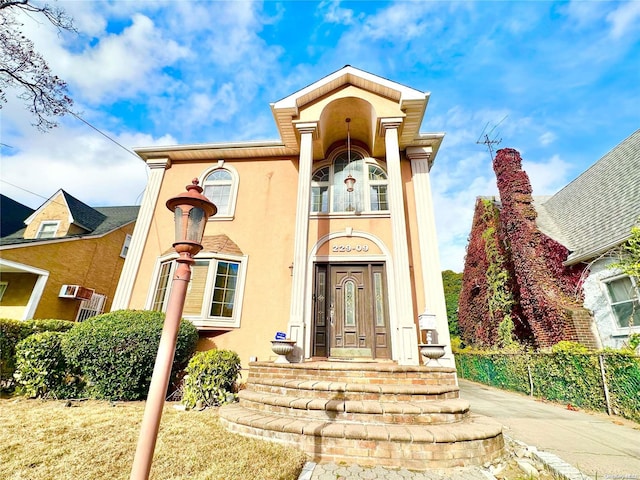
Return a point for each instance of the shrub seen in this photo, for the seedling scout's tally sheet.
(13, 331)
(211, 378)
(116, 351)
(41, 369)
(45, 325)
(10, 335)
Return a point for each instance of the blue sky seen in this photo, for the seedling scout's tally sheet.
(558, 81)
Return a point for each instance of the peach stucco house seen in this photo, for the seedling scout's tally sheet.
(343, 273)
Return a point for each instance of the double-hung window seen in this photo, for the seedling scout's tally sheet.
(329, 193)
(47, 229)
(214, 294)
(624, 297)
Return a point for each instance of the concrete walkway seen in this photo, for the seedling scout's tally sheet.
(573, 444)
(598, 445)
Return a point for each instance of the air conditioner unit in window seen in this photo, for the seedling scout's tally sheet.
(75, 291)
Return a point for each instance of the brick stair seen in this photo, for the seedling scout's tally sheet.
(366, 413)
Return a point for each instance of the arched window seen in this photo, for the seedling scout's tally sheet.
(329, 193)
(220, 186)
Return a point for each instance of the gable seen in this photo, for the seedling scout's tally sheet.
(596, 211)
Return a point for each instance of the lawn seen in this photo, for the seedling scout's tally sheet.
(96, 440)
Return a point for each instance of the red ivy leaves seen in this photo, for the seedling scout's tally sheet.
(541, 285)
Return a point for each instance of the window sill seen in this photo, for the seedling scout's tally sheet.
(212, 328)
(227, 218)
(625, 332)
(319, 216)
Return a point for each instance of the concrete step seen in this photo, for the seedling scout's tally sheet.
(374, 373)
(472, 441)
(372, 413)
(364, 411)
(352, 391)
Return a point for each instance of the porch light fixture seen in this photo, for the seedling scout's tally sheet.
(191, 210)
(349, 181)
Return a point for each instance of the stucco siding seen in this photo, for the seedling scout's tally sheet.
(596, 300)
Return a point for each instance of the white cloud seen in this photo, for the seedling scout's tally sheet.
(91, 167)
(122, 65)
(624, 19)
(334, 13)
(547, 138)
(547, 177)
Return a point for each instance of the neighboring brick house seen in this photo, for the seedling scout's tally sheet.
(554, 253)
(65, 261)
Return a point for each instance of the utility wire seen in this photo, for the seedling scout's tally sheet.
(97, 130)
(103, 134)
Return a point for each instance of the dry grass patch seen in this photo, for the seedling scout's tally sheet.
(96, 440)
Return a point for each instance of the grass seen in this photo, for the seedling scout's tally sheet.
(96, 440)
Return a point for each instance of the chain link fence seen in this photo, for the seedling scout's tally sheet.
(607, 382)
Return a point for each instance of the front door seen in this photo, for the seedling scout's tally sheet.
(350, 311)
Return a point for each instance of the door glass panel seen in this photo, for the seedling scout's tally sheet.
(320, 297)
(378, 301)
(349, 303)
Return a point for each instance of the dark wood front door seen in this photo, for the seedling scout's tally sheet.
(350, 311)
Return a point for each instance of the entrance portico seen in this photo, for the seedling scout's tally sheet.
(383, 129)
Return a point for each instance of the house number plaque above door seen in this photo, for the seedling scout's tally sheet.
(349, 246)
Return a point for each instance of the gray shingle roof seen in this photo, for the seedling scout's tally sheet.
(83, 215)
(597, 210)
(12, 215)
(113, 218)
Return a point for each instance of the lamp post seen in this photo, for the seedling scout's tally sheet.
(191, 210)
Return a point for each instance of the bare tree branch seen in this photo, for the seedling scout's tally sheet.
(24, 69)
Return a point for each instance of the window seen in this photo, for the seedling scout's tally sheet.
(220, 186)
(3, 288)
(92, 307)
(329, 193)
(47, 229)
(625, 301)
(214, 294)
(125, 246)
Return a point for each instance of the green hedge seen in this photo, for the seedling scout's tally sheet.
(42, 370)
(211, 378)
(13, 331)
(116, 352)
(565, 375)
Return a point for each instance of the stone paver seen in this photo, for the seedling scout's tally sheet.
(332, 471)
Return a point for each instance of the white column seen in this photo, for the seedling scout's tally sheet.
(407, 337)
(122, 296)
(308, 131)
(429, 257)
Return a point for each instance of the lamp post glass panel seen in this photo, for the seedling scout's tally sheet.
(191, 210)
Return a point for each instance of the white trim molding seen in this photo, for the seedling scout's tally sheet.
(129, 272)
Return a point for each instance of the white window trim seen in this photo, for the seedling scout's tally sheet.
(201, 321)
(233, 195)
(367, 160)
(618, 330)
(125, 246)
(44, 223)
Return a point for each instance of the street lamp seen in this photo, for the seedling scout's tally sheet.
(191, 210)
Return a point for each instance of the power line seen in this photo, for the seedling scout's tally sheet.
(103, 134)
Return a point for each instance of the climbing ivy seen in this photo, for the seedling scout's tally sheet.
(514, 282)
(629, 255)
